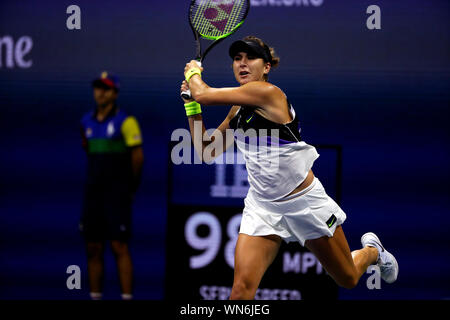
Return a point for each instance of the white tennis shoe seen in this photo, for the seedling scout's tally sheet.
(386, 261)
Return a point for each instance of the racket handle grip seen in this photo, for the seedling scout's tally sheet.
(187, 94)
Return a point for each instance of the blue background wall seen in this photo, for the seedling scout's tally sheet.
(381, 94)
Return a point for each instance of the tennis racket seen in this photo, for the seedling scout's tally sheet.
(214, 20)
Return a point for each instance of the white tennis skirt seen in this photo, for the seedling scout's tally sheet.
(309, 214)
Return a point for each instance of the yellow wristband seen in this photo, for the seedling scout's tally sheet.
(191, 72)
(192, 108)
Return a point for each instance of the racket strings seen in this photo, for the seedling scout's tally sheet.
(211, 19)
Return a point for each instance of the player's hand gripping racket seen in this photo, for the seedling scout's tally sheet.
(214, 20)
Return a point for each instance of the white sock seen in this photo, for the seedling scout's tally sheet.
(127, 296)
(96, 295)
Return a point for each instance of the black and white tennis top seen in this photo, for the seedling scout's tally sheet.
(276, 158)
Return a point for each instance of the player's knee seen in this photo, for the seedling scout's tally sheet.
(242, 290)
(348, 281)
(239, 291)
(119, 248)
(94, 250)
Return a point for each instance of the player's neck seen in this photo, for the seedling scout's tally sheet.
(103, 111)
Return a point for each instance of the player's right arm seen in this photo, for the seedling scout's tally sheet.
(83, 138)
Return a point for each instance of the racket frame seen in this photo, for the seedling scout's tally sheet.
(198, 47)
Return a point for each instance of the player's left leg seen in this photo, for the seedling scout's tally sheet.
(125, 267)
(335, 256)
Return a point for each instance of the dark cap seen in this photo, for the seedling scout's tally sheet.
(107, 79)
(250, 46)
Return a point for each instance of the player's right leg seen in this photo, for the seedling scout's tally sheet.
(92, 226)
(118, 216)
(253, 256)
(95, 267)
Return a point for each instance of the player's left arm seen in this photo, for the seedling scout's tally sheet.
(137, 162)
(133, 140)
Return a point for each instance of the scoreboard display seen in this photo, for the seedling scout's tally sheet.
(205, 204)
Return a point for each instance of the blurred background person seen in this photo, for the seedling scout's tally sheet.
(113, 144)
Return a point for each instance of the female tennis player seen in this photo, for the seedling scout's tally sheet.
(285, 201)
